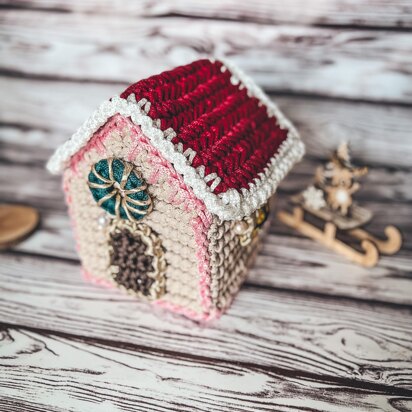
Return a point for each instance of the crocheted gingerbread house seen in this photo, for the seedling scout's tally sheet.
(168, 185)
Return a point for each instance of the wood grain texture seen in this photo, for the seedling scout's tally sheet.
(379, 134)
(309, 330)
(378, 13)
(347, 63)
(340, 338)
(286, 261)
(123, 377)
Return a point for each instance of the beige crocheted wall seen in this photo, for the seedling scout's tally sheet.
(171, 222)
(229, 261)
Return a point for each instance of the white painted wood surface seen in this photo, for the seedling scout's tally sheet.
(309, 330)
(335, 339)
(166, 381)
(369, 13)
(350, 63)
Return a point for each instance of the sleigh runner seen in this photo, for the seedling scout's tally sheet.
(329, 201)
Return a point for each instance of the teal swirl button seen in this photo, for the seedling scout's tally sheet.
(119, 190)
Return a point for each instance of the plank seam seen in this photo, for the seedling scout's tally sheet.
(244, 19)
(17, 74)
(247, 285)
(348, 383)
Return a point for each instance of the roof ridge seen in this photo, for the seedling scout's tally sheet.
(168, 77)
(186, 95)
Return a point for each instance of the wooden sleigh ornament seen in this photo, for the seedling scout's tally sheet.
(329, 200)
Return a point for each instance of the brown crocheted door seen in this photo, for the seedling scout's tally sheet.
(137, 259)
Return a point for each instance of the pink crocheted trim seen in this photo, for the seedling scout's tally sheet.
(200, 224)
(189, 313)
(97, 281)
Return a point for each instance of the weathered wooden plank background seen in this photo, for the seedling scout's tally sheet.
(309, 330)
(369, 64)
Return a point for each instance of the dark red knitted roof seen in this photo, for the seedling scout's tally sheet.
(230, 132)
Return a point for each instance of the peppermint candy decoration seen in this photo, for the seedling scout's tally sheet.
(117, 187)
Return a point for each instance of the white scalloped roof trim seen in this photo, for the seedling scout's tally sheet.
(232, 204)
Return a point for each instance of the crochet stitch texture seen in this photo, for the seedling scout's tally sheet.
(245, 182)
(229, 132)
(187, 160)
(116, 187)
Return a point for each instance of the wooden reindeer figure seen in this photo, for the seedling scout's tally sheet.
(338, 180)
(330, 199)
